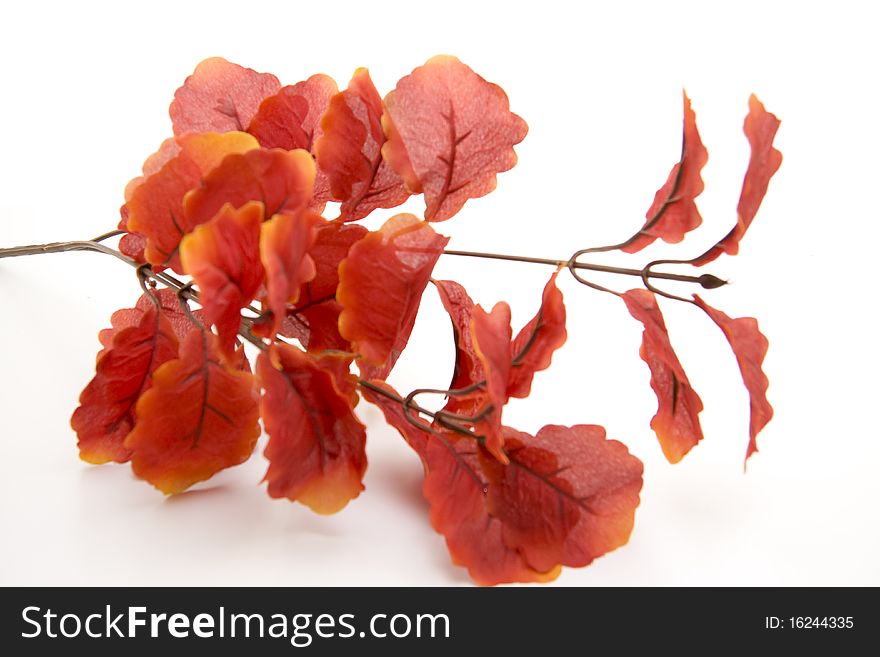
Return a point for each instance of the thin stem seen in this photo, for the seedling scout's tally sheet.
(572, 263)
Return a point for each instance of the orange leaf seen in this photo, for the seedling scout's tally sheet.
(223, 257)
(284, 244)
(220, 97)
(106, 412)
(760, 127)
(449, 133)
(350, 151)
(749, 346)
(674, 211)
(567, 497)
(198, 418)
(281, 180)
(534, 345)
(491, 337)
(380, 288)
(677, 422)
(316, 444)
(155, 207)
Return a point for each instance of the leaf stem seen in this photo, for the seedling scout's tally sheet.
(706, 280)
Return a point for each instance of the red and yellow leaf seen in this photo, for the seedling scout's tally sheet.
(316, 443)
(568, 496)
(223, 257)
(533, 347)
(449, 133)
(220, 97)
(281, 180)
(674, 210)
(676, 422)
(380, 288)
(124, 369)
(350, 151)
(155, 206)
(198, 418)
(491, 337)
(760, 128)
(749, 346)
(285, 242)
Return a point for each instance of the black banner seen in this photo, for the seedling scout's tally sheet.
(433, 621)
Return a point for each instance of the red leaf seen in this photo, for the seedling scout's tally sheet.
(749, 346)
(316, 321)
(760, 127)
(292, 117)
(676, 423)
(219, 97)
(127, 317)
(534, 345)
(350, 151)
(392, 409)
(281, 180)
(223, 257)
(468, 368)
(106, 412)
(674, 211)
(284, 245)
(198, 418)
(449, 133)
(567, 497)
(316, 444)
(380, 287)
(458, 490)
(155, 207)
(491, 335)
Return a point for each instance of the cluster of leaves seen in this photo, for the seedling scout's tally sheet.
(234, 201)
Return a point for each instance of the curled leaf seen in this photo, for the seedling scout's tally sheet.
(223, 257)
(676, 422)
(316, 444)
(198, 418)
(220, 97)
(380, 288)
(284, 244)
(674, 210)
(106, 413)
(749, 346)
(491, 338)
(760, 128)
(350, 151)
(449, 133)
(533, 347)
(155, 207)
(468, 368)
(281, 180)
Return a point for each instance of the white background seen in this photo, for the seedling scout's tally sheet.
(85, 93)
